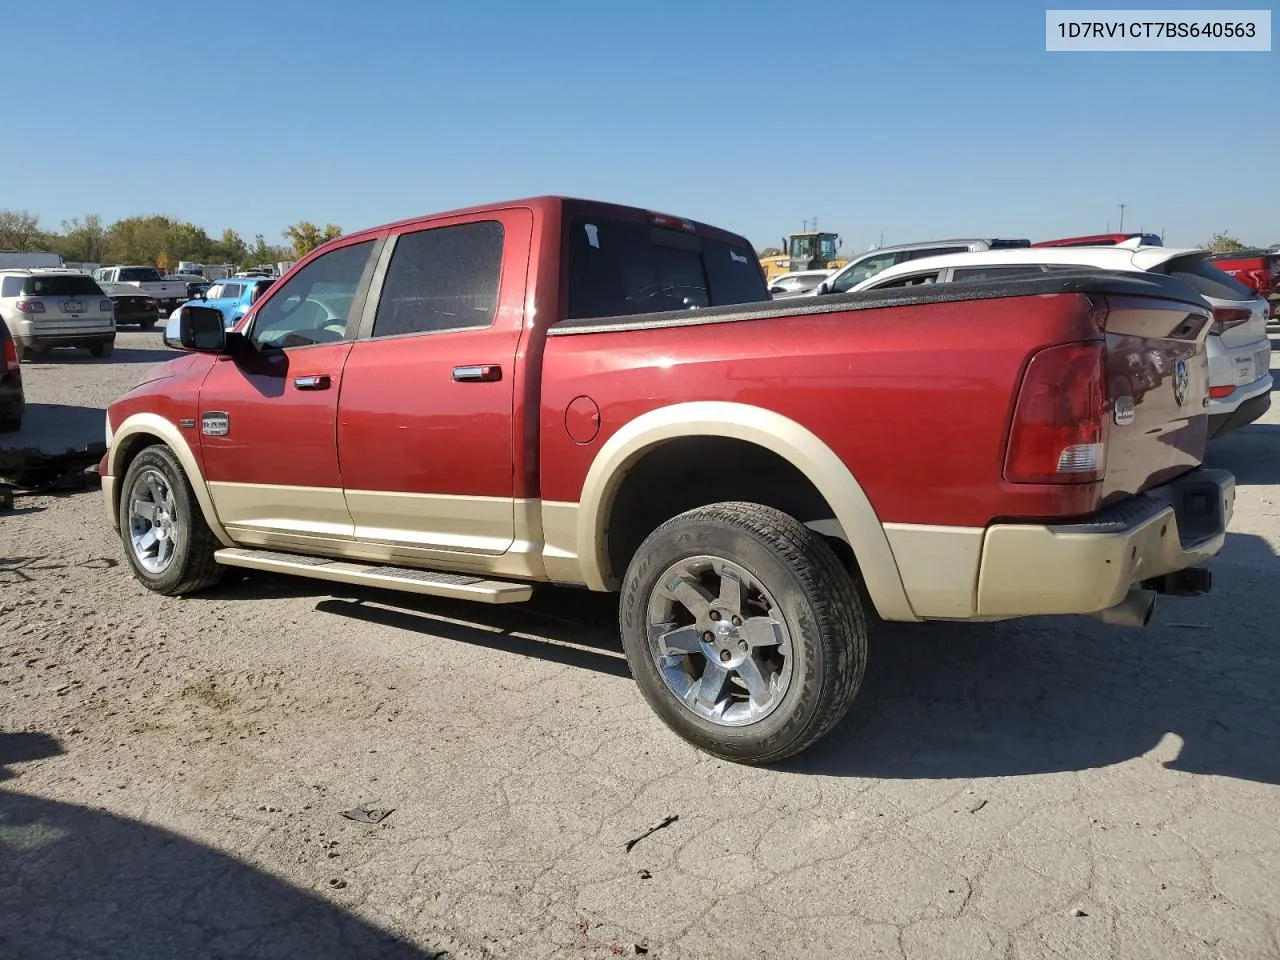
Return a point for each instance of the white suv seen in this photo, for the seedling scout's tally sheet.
(1238, 348)
(56, 308)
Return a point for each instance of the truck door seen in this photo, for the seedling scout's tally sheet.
(426, 432)
(268, 415)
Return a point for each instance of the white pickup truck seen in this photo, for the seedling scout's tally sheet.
(170, 293)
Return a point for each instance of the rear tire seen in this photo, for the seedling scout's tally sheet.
(102, 349)
(796, 602)
(156, 479)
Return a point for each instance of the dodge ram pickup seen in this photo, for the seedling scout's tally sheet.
(570, 392)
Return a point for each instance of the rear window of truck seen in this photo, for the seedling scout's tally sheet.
(68, 285)
(619, 268)
(139, 275)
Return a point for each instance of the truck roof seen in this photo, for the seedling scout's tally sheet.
(545, 205)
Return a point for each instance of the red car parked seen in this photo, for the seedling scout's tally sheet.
(1259, 270)
(563, 391)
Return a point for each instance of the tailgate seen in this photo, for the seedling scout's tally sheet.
(1157, 391)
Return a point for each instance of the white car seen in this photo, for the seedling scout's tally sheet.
(1238, 348)
(795, 284)
(56, 308)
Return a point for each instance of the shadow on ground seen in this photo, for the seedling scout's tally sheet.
(950, 700)
(84, 883)
(1249, 453)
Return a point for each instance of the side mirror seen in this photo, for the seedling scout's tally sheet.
(822, 288)
(196, 328)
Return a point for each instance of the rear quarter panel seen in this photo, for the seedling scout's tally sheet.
(915, 400)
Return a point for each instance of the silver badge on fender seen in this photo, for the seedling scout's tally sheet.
(1181, 382)
(215, 423)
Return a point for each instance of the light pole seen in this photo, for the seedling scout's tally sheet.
(1122, 206)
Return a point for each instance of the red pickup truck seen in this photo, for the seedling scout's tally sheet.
(570, 392)
(1259, 270)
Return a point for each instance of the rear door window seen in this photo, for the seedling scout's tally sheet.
(961, 274)
(619, 268)
(911, 280)
(11, 287)
(444, 278)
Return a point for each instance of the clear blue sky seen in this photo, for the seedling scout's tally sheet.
(920, 119)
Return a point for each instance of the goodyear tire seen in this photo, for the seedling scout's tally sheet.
(166, 540)
(743, 630)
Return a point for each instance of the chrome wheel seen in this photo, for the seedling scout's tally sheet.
(719, 641)
(153, 523)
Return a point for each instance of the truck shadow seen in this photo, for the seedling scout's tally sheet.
(81, 882)
(1249, 453)
(1057, 694)
(952, 700)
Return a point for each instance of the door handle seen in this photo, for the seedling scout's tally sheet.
(319, 381)
(478, 373)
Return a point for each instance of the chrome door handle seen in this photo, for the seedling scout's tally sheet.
(478, 373)
(319, 381)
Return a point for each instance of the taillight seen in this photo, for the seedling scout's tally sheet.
(153, 303)
(106, 306)
(1224, 318)
(10, 355)
(1217, 393)
(29, 306)
(1059, 432)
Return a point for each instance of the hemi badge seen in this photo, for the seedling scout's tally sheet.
(187, 423)
(215, 423)
(1123, 411)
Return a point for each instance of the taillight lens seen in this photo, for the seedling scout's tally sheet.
(29, 306)
(153, 303)
(1224, 318)
(1217, 393)
(106, 305)
(1059, 432)
(10, 355)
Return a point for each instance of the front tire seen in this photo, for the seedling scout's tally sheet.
(166, 540)
(744, 631)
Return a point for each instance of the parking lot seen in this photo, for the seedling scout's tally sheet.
(173, 772)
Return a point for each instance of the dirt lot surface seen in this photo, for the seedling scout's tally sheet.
(173, 772)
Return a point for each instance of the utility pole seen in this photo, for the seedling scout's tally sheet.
(804, 226)
(1122, 206)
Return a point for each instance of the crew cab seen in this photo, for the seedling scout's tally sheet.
(559, 391)
(168, 293)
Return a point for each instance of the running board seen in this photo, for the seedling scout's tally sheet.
(458, 586)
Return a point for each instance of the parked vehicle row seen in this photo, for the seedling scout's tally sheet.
(565, 391)
(168, 293)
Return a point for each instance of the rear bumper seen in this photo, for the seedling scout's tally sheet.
(1243, 415)
(1035, 569)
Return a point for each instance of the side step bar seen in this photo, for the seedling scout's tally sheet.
(458, 586)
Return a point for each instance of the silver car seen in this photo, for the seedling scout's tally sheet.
(56, 308)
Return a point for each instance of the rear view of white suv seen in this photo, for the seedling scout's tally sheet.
(56, 308)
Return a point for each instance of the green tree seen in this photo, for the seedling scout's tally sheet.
(1223, 242)
(305, 236)
(770, 252)
(83, 240)
(20, 230)
(230, 249)
(263, 252)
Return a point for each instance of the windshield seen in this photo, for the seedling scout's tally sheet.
(620, 267)
(827, 248)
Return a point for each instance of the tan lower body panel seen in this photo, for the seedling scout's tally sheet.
(939, 567)
(268, 509)
(433, 522)
(433, 584)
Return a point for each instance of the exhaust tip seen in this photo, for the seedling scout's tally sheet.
(1135, 610)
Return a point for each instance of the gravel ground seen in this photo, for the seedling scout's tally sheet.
(172, 772)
